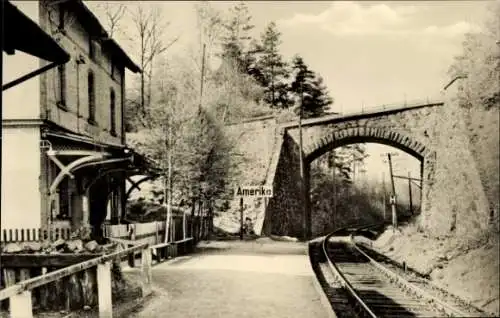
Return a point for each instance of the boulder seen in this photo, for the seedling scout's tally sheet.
(32, 246)
(59, 244)
(46, 247)
(92, 246)
(13, 248)
(74, 246)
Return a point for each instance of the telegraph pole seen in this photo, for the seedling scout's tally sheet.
(301, 159)
(202, 79)
(393, 197)
(409, 191)
(334, 189)
(385, 195)
(393, 190)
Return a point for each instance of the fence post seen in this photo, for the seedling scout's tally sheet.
(157, 240)
(104, 290)
(146, 273)
(131, 233)
(21, 306)
(184, 225)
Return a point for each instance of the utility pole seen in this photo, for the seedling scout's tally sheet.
(385, 196)
(334, 190)
(409, 191)
(393, 197)
(202, 75)
(301, 159)
(393, 189)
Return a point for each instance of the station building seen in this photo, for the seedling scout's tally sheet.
(65, 159)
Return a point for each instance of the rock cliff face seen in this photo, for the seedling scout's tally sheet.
(254, 144)
(483, 130)
(465, 211)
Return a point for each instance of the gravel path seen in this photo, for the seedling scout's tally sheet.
(239, 280)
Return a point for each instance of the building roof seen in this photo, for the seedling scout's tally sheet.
(23, 34)
(91, 22)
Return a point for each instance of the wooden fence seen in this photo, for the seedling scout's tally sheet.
(20, 294)
(186, 231)
(34, 235)
(154, 232)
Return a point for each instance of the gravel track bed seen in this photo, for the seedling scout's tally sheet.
(424, 283)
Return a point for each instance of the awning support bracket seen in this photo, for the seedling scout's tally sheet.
(135, 185)
(100, 175)
(52, 156)
(73, 165)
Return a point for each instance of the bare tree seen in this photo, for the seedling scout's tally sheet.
(113, 14)
(150, 27)
(209, 23)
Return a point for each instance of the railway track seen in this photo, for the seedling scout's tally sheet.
(359, 286)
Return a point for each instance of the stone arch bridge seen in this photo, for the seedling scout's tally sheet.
(431, 131)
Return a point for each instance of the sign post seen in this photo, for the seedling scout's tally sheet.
(250, 191)
(393, 189)
(394, 215)
(241, 218)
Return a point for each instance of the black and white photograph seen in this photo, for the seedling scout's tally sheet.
(276, 159)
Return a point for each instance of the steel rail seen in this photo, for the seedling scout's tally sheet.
(343, 280)
(405, 284)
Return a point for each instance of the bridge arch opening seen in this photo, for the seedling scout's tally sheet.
(410, 202)
(345, 137)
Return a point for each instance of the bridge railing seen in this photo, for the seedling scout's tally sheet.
(20, 298)
(396, 106)
(364, 111)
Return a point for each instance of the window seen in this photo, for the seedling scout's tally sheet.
(91, 48)
(112, 109)
(61, 79)
(91, 97)
(61, 17)
(113, 70)
(64, 212)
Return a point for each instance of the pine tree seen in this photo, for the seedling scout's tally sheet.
(309, 90)
(272, 68)
(235, 38)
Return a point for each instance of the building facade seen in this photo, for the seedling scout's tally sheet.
(64, 153)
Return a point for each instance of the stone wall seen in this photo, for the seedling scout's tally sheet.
(483, 130)
(454, 200)
(283, 213)
(254, 143)
(457, 201)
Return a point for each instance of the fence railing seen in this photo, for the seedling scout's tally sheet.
(34, 234)
(20, 298)
(154, 232)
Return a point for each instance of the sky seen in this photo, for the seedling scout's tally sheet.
(369, 53)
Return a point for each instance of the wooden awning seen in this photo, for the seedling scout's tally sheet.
(23, 34)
